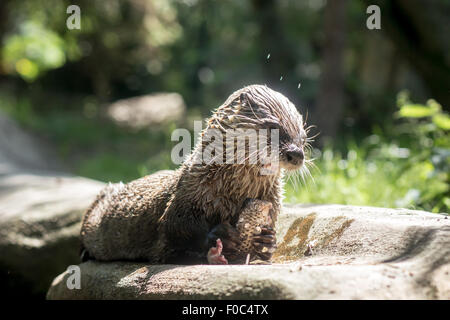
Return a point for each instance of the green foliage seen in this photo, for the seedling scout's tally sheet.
(430, 134)
(408, 167)
(431, 110)
(36, 40)
(34, 50)
(91, 146)
(204, 50)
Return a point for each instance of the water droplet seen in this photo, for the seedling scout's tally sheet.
(281, 78)
(268, 56)
(299, 85)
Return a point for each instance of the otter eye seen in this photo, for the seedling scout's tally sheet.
(270, 124)
(275, 125)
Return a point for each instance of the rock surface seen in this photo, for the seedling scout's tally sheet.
(40, 213)
(324, 252)
(145, 111)
(39, 226)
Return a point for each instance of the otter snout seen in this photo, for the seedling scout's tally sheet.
(294, 156)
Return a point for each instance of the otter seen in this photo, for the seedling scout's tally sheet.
(178, 216)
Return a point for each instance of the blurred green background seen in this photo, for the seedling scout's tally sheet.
(379, 98)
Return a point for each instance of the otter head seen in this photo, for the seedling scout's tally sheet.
(259, 107)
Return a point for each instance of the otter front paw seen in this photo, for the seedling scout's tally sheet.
(230, 239)
(265, 243)
(215, 255)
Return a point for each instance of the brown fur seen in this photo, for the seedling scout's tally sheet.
(254, 215)
(165, 216)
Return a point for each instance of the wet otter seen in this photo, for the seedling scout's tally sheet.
(177, 216)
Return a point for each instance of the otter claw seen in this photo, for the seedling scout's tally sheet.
(267, 231)
(265, 244)
(265, 239)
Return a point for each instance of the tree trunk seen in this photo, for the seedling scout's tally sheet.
(418, 31)
(330, 103)
(273, 41)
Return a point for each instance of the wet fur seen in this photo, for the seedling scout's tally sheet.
(166, 217)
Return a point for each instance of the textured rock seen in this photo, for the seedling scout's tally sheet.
(39, 226)
(40, 212)
(145, 111)
(325, 252)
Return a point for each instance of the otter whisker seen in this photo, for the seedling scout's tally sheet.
(311, 164)
(308, 128)
(308, 172)
(290, 179)
(314, 136)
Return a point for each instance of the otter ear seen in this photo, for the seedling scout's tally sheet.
(244, 99)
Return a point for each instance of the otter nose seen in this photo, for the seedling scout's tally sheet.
(295, 156)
